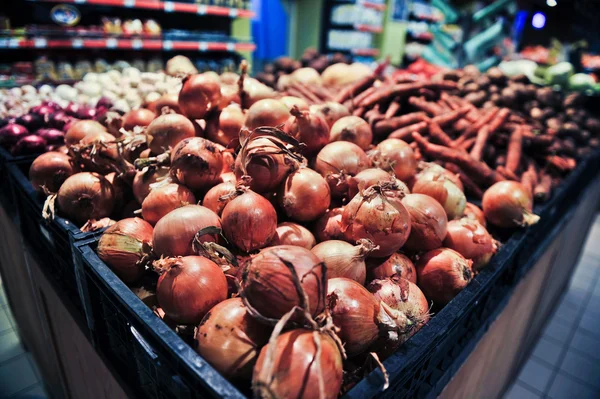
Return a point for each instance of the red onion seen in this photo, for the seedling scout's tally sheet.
(353, 129)
(165, 199)
(81, 129)
(229, 338)
(428, 222)
(217, 197)
(85, 196)
(175, 232)
(369, 177)
(137, 117)
(266, 112)
(396, 156)
(304, 195)
(199, 95)
(46, 109)
(307, 128)
(443, 190)
(475, 213)
(58, 119)
(288, 233)
(378, 215)
(72, 109)
(87, 113)
(49, 171)
(144, 178)
(11, 133)
(167, 131)
(31, 121)
(104, 102)
(470, 239)
(442, 273)
(337, 161)
(52, 136)
(330, 111)
(123, 247)
(343, 259)
(196, 163)
(189, 287)
(31, 144)
(508, 204)
(328, 227)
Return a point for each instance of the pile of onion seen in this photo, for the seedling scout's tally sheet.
(338, 161)
(231, 121)
(330, 111)
(343, 259)
(442, 273)
(397, 157)
(137, 117)
(49, 171)
(369, 177)
(395, 264)
(304, 195)
(165, 199)
(428, 222)
(266, 112)
(124, 246)
(199, 95)
(144, 178)
(196, 163)
(85, 196)
(218, 196)
(328, 227)
(443, 190)
(81, 129)
(308, 128)
(470, 239)
(475, 213)
(167, 130)
(353, 129)
(508, 204)
(289, 233)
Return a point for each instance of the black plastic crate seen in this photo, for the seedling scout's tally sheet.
(6, 198)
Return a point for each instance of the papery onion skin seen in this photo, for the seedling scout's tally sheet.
(343, 259)
(167, 100)
(196, 163)
(291, 101)
(189, 288)
(289, 233)
(470, 239)
(214, 200)
(444, 191)
(81, 129)
(472, 211)
(339, 160)
(231, 121)
(165, 199)
(138, 117)
(428, 222)
(369, 177)
(307, 128)
(268, 285)
(105, 148)
(266, 112)
(304, 195)
(507, 204)
(50, 170)
(353, 129)
(144, 178)
(174, 232)
(229, 338)
(199, 95)
(395, 264)
(166, 131)
(249, 221)
(123, 246)
(330, 111)
(396, 156)
(442, 273)
(295, 367)
(85, 196)
(328, 226)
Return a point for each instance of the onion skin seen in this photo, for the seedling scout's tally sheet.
(138, 117)
(85, 196)
(174, 232)
(470, 239)
(328, 227)
(343, 259)
(50, 170)
(268, 283)
(165, 199)
(266, 112)
(475, 213)
(428, 222)
(396, 156)
(339, 160)
(330, 111)
(291, 101)
(199, 95)
(288, 233)
(167, 131)
(295, 367)
(369, 177)
(143, 180)
(11, 134)
(304, 195)
(507, 204)
(189, 288)
(213, 199)
(196, 163)
(108, 150)
(229, 338)
(168, 100)
(249, 221)
(444, 191)
(442, 273)
(395, 264)
(307, 128)
(123, 246)
(81, 129)
(231, 121)
(353, 129)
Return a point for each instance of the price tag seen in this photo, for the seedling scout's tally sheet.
(233, 13)
(40, 42)
(129, 3)
(230, 46)
(137, 44)
(111, 43)
(167, 45)
(14, 43)
(203, 46)
(77, 43)
(201, 9)
(169, 6)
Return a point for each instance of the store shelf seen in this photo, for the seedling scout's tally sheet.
(124, 44)
(368, 28)
(374, 6)
(166, 6)
(365, 52)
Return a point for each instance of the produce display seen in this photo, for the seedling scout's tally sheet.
(305, 234)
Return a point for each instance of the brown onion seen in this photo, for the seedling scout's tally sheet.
(189, 287)
(337, 161)
(138, 117)
(396, 156)
(199, 95)
(291, 101)
(508, 204)
(330, 111)
(307, 128)
(266, 112)
(369, 177)
(167, 130)
(442, 273)
(231, 121)
(230, 94)
(175, 232)
(343, 259)
(105, 152)
(395, 264)
(49, 171)
(196, 163)
(473, 212)
(299, 367)
(288, 233)
(85, 196)
(304, 195)
(229, 338)
(328, 227)
(443, 190)
(144, 178)
(268, 283)
(470, 239)
(168, 102)
(378, 215)
(123, 247)
(428, 222)
(81, 129)
(433, 168)
(353, 129)
(217, 197)
(164, 199)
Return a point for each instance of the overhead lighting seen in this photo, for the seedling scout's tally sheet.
(551, 3)
(538, 21)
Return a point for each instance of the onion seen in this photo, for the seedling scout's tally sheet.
(58, 119)
(360, 317)
(396, 156)
(339, 160)
(46, 109)
(217, 197)
(428, 222)
(288, 233)
(473, 212)
(229, 338)
(343, 259)
(72, 109)
(175, 232)
(470, 239)
(52, 136)
(167, 131)
(199, 95)
(231, 121)
(31, 144)
(268, 285)
(369, 177)
(395, 264)
(378, 215)
(306, 76)
(31, 121)
(138, 117)
(196, 163)
(330, 111)
(353, 129)
(81, 129)
(307, 128)
(299, 367)
(11, 133)
(304, 196)
(443, 191)
(85, 196)
(508, 204)
(229, 78)
(144, 178)
(290, 102)
(164, 199)
(87, 113)
(328, 227)
(249, 221)
(230, 94)
(427, 167)
(256, 91)
(442, 273)
(103, 152)
(123, 247)
(104, 102)
(49, 171)
(168, 101)
(266, 112)
(189, 287)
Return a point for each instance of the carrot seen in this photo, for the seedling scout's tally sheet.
(515, 146)
(427, 93)
(506, 173)
(309, 94)
(389, 125)
(542, 190)
(361, 96)
(354, 88)
(393, 108)
(470, 186)
(540, 140)
(477, 170)
(296, 93)
(528, 183)
(532, 169)
(432, 109)
(404, 133)
(450, 117)
(467, 144)
(359, 111)
(403, 90)
(500, 118)
(439, 135)
(482, 136)
(321, 92)
(562, 164)
(477, 125)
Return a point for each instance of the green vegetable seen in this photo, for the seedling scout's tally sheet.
(581, 82)
(559, 74)
(518, 67)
